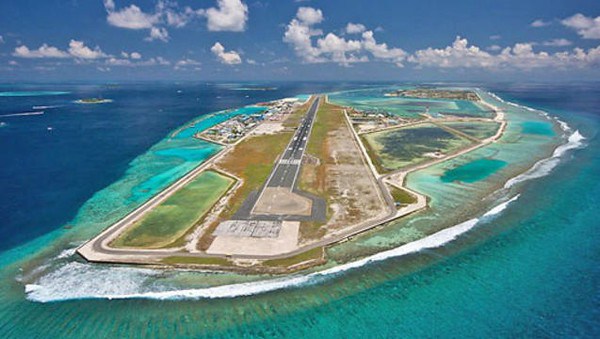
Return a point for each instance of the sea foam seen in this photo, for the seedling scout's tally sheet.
(545, 166)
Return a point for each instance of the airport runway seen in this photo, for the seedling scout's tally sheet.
(288, 167)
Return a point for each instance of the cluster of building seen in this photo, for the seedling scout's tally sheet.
(234, 129)
(370, 120)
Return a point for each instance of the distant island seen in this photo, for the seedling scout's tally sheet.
(93, 101)
(426, 93)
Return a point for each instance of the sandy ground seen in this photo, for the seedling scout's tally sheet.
(287, 241)
(280, 201)
(357, 196)
(268, 127)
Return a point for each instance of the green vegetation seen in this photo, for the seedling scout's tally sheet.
(394, 149)
(480, 130)
(314, 254)
(401, 196)
(251, 160)
(174, 217)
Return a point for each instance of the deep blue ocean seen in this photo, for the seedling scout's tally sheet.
(533, 272)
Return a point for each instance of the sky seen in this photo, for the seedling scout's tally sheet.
(249, 40)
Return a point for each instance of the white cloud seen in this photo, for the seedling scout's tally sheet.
(299, 34)
(13, 63)
(520, 56)
(229, 15)
(352, 28)
(586, 27)
(133, 62)
(540, 23)
(80, 51)
(131, 17)
(494, 48)
(1, 39)
(44, 51)
(557, 43)
(187, 63)
(158, 33)
(382, 51)
(495, 37)
(77, 49)
(309, 16)
(227, 58)
(135, 55)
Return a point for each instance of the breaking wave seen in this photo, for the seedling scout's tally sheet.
(545, 166)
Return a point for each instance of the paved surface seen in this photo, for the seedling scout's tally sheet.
(288, 167)
(284, 176)
(249, 228)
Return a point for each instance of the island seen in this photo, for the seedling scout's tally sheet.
(428, 93)
(89, 101)
(296, 178)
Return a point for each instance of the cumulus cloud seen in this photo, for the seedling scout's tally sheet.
(44, 51)
(300, 33)
(309, 16)
(79, 50)
(540, 23)
(158, 33)
(494, 48)
(227, 58)
(128, 60)
(131, 17)
(135, 55)
(557, 43)
(520, 56)
(187, 63)
(229, 15)
(352, 28)
(586, 27)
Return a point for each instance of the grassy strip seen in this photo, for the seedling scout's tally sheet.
(376, 160)
(174, 260)
(313, 175)
(175, 216)
(314, 254)
(401, 196)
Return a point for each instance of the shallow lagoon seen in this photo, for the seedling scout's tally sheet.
(375, 99)
(406, 146)
(473, 171)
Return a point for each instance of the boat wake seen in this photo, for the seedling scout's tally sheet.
(21, 114)
(76, 280)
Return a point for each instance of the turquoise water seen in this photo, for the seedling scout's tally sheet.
(537, 127)
(528, 271)
(375, 99)
(473, 171)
